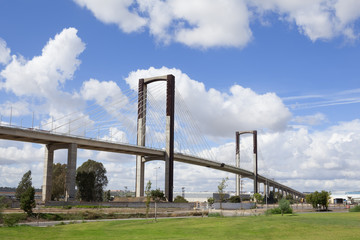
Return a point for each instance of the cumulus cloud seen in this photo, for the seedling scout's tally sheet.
(317, 19)
(328, 156)
(43, 75)
(199, 23)
(222, 113)
(115, 11)
(110, 91)
(312, 120)
(219, 23)
(4, 53)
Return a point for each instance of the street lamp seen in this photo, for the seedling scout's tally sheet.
(156, 176)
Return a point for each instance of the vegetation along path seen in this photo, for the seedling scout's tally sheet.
(305, 226)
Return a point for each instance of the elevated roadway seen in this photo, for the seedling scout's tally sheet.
(58, 140)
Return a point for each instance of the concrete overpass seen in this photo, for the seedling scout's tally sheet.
(54, 141)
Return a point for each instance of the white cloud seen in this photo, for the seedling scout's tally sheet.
(115, 11)
(110, 91)
(4, 53)
(39, 81)
(219, 23)
(317, 19)
(312, 120)
(222, 113)
(303, 159)
(43, 75)
(201, 23)
(21, 153)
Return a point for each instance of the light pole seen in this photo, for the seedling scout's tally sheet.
(156, 177)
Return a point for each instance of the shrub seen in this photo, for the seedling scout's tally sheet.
(234, 199)
(278, 211)
(180, 199)
(355, 209)
(27, 200)
(284, 206)
(10, 220)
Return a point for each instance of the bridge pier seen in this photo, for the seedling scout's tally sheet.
(238, 176)
(169, 132)
(255, 160)
(70, 173)
(141, 132)
(47, 177)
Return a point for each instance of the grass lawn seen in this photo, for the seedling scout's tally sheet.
(302, 226)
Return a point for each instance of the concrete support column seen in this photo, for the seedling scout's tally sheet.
(169, 147)
(267, 189)
(238, 176)
(71, 172)
(47, 178)
(255, 162)
(141, 130)
(264, 184)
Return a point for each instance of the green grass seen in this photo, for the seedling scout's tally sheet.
(303, 226)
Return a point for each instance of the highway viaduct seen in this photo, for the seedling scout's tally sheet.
(55, 141)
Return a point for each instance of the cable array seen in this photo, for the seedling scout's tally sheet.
(116, 120)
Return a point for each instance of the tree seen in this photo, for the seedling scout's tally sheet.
(270, 198)
(107, 196)
(278, 196)
(91, 180)
(24, 184)
(157, 195)
(2, 205)
(148, 197)
(258, 198)
(85, 182)
(290, 198)
(58, 181)
(211, 200)
(235, 199)
(27, 200)
(284, 206)
(319, 199)
(180, 199)
(221, 190)
(324, 198)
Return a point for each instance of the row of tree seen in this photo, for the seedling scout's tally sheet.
(91, 181)
(319, 200)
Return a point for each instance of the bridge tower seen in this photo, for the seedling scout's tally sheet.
(141, 131)
(255, 161)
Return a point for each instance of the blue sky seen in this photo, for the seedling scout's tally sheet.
(299, 61)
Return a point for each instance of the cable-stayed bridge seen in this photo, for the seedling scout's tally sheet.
(164, 130)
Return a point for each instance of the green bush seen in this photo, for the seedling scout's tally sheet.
(10, 220)
(355, 209)
(278, 211)
(51, 216)
(180, 199)
(235, 199)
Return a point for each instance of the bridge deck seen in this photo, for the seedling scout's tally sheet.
(46, 137)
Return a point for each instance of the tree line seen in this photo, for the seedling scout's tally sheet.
(91, 181)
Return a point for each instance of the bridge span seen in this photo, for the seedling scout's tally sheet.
(54, 141)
